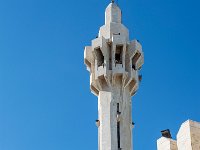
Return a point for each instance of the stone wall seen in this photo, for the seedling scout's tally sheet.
(188, 138)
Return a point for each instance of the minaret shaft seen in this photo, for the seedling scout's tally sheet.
(114, 111)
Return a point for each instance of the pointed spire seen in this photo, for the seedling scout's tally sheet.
(113, 13)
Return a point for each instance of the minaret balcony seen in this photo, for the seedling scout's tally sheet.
(132, 81)
(93, 84)
(101, 44)
(99, 71)
(136, 55)
(119, 50)
(140, 62)
(88, 57)
(134, 74)
(119, 69)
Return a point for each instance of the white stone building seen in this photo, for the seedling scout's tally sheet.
(114, 63)
(188, 138)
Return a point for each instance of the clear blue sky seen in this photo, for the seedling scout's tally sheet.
(45, 102)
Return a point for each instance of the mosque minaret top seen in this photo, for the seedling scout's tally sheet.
(113, 23)
(113, 14)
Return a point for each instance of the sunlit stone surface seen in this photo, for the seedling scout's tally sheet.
(114, 63)
(188, 138)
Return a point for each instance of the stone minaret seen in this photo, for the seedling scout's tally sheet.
(114, 63)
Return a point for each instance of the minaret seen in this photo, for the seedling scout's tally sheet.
(114, 63)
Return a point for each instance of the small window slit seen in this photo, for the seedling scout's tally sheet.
(118, 128)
